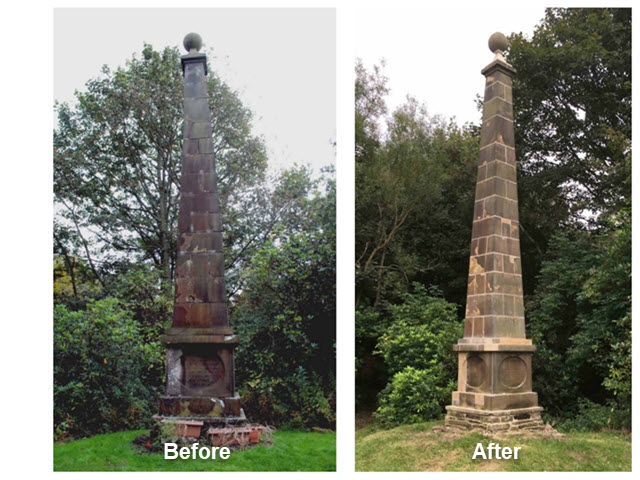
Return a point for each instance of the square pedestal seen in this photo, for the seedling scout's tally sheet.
(494, 372)
(494, 388)
(200, 379)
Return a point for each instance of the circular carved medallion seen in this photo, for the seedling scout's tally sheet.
(476, 371)
(215, 367)
(512, 372)
(203, 371)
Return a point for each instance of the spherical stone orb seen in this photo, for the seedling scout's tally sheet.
(498, 41)
(192, 41)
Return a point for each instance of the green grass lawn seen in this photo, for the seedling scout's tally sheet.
(416, 448)
(291, 451)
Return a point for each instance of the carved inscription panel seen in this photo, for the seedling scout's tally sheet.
(203, 371)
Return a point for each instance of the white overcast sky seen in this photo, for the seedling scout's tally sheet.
(436, 54)
(281, 61)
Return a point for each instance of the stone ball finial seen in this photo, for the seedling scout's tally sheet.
(498, 41)
(192, 41)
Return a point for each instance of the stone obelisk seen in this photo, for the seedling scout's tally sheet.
(494, 370)
(200, 343)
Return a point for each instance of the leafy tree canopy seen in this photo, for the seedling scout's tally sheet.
(117, 154)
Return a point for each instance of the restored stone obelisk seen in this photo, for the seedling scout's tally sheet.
(200, 343)
(494, 371)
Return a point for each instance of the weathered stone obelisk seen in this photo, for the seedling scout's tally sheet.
(200, 344)
(494, 371)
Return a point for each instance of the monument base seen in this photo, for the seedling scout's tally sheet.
(193, 419)
(512, 420)
(233, 432)
(226, 409)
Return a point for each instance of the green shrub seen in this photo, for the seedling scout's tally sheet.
(417, 347)
(421, 334)
(102, 369)
(580, 319)
(412, 396)
(298, 401)
(595, 417)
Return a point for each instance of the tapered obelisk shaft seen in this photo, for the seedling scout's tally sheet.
(494, 371)
(494, 297)
(200, 289)
(200, 343)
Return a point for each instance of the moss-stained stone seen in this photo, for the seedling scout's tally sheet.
(497, 106)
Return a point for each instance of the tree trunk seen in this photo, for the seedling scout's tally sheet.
(380, 271)
(164, 189)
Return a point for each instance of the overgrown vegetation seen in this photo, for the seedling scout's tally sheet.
(103, 368)
(414, 191)
(117, 153)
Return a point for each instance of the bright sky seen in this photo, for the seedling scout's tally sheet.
(436, 54)
(281, 61)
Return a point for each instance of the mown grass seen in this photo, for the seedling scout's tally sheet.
(291, 451)
(417, 448)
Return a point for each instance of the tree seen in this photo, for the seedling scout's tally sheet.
(414, 201)
(581, 322)
(370, 90)
(285, 315)
(573, 97)
(73, 280)
(572, 113)
(402, 183)
(117, 163)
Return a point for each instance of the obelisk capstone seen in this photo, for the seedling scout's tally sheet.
(494, 371)
(200, 343)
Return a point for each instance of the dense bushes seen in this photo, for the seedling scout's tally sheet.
(298, 401)
(591, 417)
(412, 396)
(103, 370)
(417, 351)
(421, 333)
(581, 322)
(285, 317)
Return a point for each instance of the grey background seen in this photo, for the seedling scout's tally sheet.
(282, 62)
(436, 53)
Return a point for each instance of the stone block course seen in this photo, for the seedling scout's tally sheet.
(502, 169)
(197, 163)
(497, 129)
(497, 106)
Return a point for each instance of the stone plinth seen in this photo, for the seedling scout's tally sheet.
(496, 420)
(494, 356)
